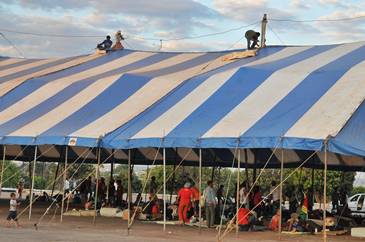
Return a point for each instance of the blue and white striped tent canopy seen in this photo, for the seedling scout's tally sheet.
(295, 98)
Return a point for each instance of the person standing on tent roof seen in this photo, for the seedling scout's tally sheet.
(106, 44)
(252, 36)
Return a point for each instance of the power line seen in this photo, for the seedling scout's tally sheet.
(50, 35)
(13, 45)
(277, 36)
(317, 20)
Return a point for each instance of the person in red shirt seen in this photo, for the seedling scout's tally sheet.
(185, 196)
(274, 223)
(196, 198)
(246, 219)
(257, 199)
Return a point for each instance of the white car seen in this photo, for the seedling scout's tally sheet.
(356, 204)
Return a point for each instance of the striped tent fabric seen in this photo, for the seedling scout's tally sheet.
(296, 98)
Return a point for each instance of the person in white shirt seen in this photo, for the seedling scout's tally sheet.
(275, 196)
(13, 216)
(66, 186)
(210, 203)
(244, 196)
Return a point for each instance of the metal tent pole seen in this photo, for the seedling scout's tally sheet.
(164, 189)
(200, 189)
(97, 174)
(129, 190)
(2, 169)
(32, 185)
(325, 192)
(281, 189)
(238, 188)
(64, 181)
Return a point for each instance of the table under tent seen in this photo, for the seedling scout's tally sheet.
(286, 107)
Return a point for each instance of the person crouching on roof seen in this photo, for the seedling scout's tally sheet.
(252, 36)
(106, 44)
(184, 197)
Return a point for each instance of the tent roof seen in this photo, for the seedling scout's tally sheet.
(292, 97)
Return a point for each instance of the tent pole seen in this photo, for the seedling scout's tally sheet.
(2, 168)
(312, 187)
(64, 181)
(238, 189)
(32, 186)
(281, 189)
(246, 167)
(129, 190)
(164, 189)
(200, 189)
(263, 31)
(212, 176)
(148, 172)
(325, 192)
(97, 174)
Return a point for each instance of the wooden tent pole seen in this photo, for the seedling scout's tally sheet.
(97, 174)
(200, 189)
(32, 185)
(64, 181)
(55, 177)
(238, 188)
(129, 191)
(281, 189)
(2, 168)
(263, 31)
(325, 193)
(164, 190)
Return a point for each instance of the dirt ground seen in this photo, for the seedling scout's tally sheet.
(80, 229)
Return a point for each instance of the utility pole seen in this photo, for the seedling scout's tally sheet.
(263, 31)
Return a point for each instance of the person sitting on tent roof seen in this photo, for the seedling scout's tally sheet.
(118, 41)
(106, 44)
(253, 36)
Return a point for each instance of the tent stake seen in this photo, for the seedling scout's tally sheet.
(200, 190)
(32, 185)
(164, 189)
(281, 190)
(2, 169)
(325, 193)
(64, 181)
(238, 189)
(97, 174)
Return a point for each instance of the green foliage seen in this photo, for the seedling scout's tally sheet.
(359, 189)
(11, 174)
(121, 172)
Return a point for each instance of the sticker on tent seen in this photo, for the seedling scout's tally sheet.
(72, 141)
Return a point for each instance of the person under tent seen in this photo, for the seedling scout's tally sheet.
(252, 38)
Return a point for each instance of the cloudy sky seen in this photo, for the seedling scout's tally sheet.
(165, 19)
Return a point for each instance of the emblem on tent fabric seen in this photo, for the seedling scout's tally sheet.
(72, 141)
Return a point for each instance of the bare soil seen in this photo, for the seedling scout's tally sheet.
(115, 229)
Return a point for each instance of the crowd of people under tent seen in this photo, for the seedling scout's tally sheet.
(256, 211)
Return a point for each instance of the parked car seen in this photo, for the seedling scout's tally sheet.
(356, 204)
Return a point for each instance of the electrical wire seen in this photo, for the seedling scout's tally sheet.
(277, 36)
(317, 20)
(50, 35)
(13, 45)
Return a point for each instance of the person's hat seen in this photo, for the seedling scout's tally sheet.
(187, 185)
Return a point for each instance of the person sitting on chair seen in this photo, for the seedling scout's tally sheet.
(253, 36)
(106, 44)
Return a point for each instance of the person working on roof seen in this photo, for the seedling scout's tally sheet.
(118, 41)
(253, 36)
(106, 44)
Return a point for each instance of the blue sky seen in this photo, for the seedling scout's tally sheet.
(164, 19)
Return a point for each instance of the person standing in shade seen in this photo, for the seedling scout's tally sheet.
(111, 192)
(275, 196)
(185, 196)
(210, 204)
(152, 188)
